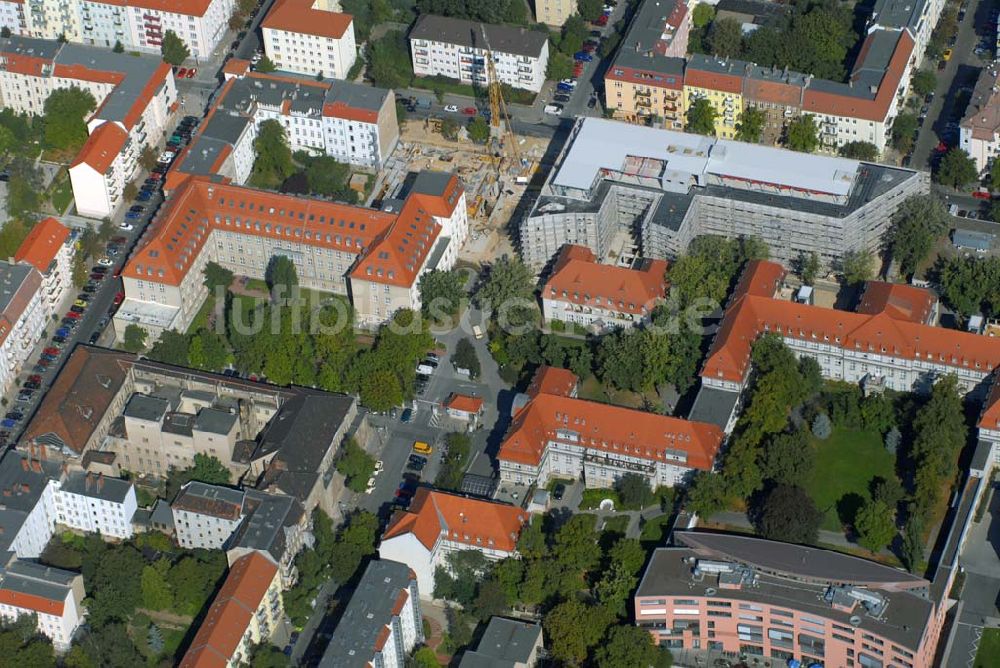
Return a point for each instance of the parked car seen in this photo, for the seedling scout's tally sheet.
(144, 196)
(41, 367)
(28, 385)
(553, 109)
(17, 415)
(119, 298)
(51, 351)
(451, 108)
(130, 215)
(73, 314)
(106, 261)
(181, 72)
(62, 331)
(407, 415)
(190, 73)
(561, 97)
(127, 226)
(70, 322)
(76, 309)
(94, 337)
(582, 56)
(24, 396)
(469, 111)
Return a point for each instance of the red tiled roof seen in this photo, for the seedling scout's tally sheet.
(650, 77)
(31, 602)
(103, 145)
(728, 82)
(186, 7)
(42, 244)
(990, 418)
(236, 66)
(300, 16)
(579, 279)
(227, 620)
(612, 429)
(902, 302)
(463, 402)
(753, 311)
(474, 522)
(553, 380)
(393, 247)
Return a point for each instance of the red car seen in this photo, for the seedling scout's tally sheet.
(73, 316)
(589, 47)
(119, 298)
(156, 176)
(981, 194)
(97, 277)
(603, 21)
(35, 378)
(941, 148)
(469, 111)
(191, 72)
(181, 73)
(51, 351)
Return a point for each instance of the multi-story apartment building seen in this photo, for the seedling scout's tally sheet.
(245, 613)
(309, 37)
(720, 82)
(456, 48)
(672, 187)
(382, 623)
(554, 12)
(601, 296)
(918, 17)
(205, 516)
(380, 255)
(23, 318)
(512, 643)
(96, 504)
(49, 248)
(276, 524)
(439, 523)
(133, 95)
(355, 124)
(138, 25)
(52, 595)
(979, 131)
(555, 434)
(718, 595)
(887, 342)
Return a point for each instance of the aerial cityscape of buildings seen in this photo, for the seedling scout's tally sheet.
(563, 334)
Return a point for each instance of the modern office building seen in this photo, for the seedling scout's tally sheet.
(979, 131)
(554, 434)
(246, 612)
(309, 37)
(716, 595)
(672, 186)
(456, 48)
(602, 297)
(353, 123)
(440, 523)
(52, 595)
(377, 257)
(49, 248)
(138, 25)
(134, 95)
(382, 623)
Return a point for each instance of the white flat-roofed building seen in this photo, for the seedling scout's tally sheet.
(456, 48)
(96, 504)
(309, 37)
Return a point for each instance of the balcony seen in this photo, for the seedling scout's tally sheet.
(640, 102)
(643, 92)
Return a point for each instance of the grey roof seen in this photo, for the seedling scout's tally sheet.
(97, 486)
(44, 49)
(509, 640)
(671, 573)
(636, 50)
(502, 39)
(162, 515)
(713, 405)
(12, 276)
(23, 577)
(981, 455)
(22, 481)
(178, 423)
(205, 499)
(145, 407)
(431, 183)
(898, 13)
(876, 56)
(356, 95)
(971, 239)
(264, 528)
(138, 70)
(367, 614)
(215, 421)
(31, 569)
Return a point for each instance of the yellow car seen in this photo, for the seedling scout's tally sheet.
(422, 448)
(80, 303)
(946, 55)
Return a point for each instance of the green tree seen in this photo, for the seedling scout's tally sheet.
(904, 129)
(441, 293)
(173, 49)
(939, 434)
(701, 117)
(65, 111)
(389, 63)
(789, 514)
(876, 525)
(560, 66)
(708, 494)
(629, 646)
(326, 176)
(589, 9)
(808, 266)
(923, 82)
(23, 198)
(265, 65)
(912, 551)
(570, 640)
(217, 276)
(703, 15)
(574, 32)
(788, 458)
(449, 128)
(859, 150)
(381, 390)
(281, 275)
(995, 175)
(134, 339)
(916, 226)
(750, 126)
(634, 491)
(207, 350)
(80, 272)
(856, 267)
(725, 38)
(425, 657)
(509, 293)
(268, 656)
(465, 357)
(356, 464)
(274, 159)
(170, 348)
(147, 158)
(956, 169)
(156, 594)
(479, 130)
(206, 468)
(802, 134)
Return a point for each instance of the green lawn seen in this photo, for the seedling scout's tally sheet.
(654, 532)
(845, 465)
(201, 319)
(616, 524)
(989, 649)
(591, 498)
(61, 193)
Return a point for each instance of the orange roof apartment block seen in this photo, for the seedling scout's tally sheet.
(600, 442)
(306, 37)
(584, 292)
(244, 613)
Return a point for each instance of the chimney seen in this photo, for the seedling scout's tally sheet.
(86, 481)
(24, 464)
(100, 482)
(31, 449)
(36, 466)
(25, 488)
(7, 492)
(41, 452)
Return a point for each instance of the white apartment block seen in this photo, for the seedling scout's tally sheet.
(139, 25)
(53, 595)
(918, 17)
(456, 48)
(205, 516)
(382, 623)
(979, 131)
(134, 94)
(96, 504)
(309, 38)
(49, 248)
(23, 318)
(438, 524)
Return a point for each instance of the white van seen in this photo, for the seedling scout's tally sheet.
(477, 331)
(553, 109)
